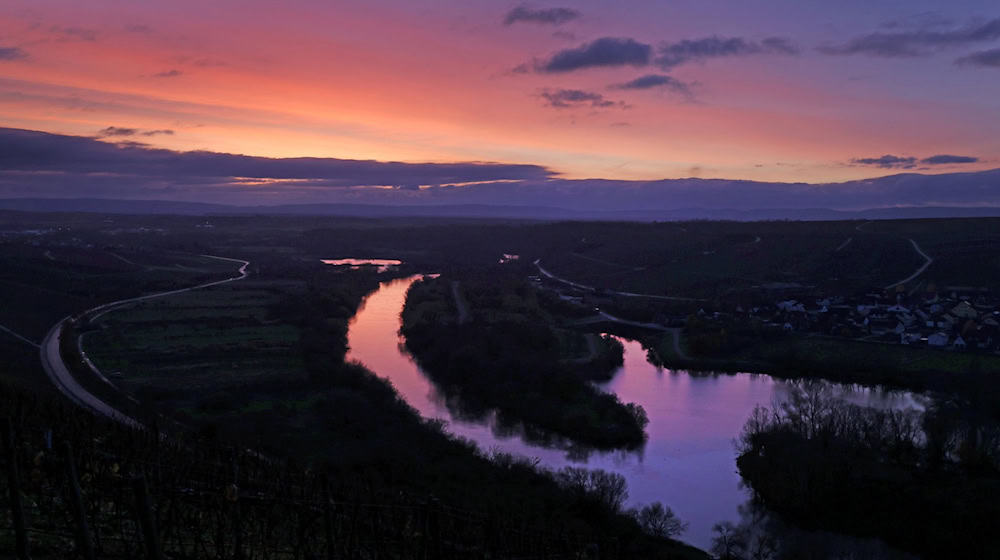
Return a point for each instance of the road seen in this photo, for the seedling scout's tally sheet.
(549, 275)
(18, 336)
(603, 317)
(676, 331)
(62, 378)
(460, 305)
(927, 262)
(102, 309)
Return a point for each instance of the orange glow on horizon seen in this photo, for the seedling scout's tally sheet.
(266, 87)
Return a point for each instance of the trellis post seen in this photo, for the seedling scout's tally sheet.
(14, 488)
(144, 510)
(83, 544)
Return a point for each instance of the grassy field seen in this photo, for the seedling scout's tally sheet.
(965, 252)
(707, 259)
(194, 346)
(40, 286)
(891, 357)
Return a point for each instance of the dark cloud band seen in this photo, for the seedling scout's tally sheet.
(12, 53)
(621, 51)
(907, 162)
(913, 43)
(985, 59)
(566, 98)
(657, 81)
(27, 151)
(544, 16)
(694, 50)
(945, 159)
(603, 52)
(119, 131)
(887, 161)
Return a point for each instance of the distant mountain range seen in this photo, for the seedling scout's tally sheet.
(167, 207)
(44, 171)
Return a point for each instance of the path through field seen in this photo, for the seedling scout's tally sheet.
(18, 336)
(927, 262)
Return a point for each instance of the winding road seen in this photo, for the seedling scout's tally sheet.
(549, 275)
(927, 262)
(603, 317)
(60, 375)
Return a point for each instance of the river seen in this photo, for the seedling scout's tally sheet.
(688, 462)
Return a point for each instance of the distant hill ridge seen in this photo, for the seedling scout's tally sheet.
(170, 207)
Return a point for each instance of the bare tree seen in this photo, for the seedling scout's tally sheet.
(659, 520)
(730, 542)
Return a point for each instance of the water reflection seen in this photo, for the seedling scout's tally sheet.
(688, 461)
(381, 264)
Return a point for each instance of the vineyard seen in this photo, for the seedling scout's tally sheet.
(75, 485)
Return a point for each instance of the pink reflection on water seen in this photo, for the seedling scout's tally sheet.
(382, 264)
(688, 462)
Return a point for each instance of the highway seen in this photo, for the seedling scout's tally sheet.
(59, 373)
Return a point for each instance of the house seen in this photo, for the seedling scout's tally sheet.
(791, 305)
(938, 339)
(946, 321)
(909, 338)
(959, 343)
(964, 310)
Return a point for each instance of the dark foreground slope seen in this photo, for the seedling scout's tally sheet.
(213, 500)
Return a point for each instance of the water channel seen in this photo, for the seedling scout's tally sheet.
(688, 462)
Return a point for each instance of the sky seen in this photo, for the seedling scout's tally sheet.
(496, 93)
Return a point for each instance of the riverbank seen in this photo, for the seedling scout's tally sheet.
(510, 357)
(924, 482)
(319, 410)
(871, 364)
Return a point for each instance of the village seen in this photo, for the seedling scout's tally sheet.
(953, 317)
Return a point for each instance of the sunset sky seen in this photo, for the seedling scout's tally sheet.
(765, 90)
